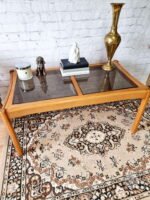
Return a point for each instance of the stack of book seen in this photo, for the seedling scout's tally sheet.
(70, 69)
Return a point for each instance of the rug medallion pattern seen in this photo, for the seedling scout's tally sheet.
(86, 153)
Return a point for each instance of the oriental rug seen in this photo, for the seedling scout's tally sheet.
(85, 153)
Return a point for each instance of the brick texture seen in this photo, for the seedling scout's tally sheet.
(29, 28)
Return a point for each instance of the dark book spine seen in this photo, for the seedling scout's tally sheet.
(74, 66)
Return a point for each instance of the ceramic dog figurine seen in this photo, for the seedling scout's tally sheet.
(40, 71)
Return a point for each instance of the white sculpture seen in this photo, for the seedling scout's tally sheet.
(74, 55)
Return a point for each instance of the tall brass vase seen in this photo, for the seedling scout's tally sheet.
(113, 39)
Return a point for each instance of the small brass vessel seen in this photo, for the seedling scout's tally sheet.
(113, 39)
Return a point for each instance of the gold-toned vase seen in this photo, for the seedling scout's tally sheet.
(113, 39)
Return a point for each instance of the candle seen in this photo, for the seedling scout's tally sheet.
(24, 72)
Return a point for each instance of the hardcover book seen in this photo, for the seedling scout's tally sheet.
(67, 65)
(74, 72)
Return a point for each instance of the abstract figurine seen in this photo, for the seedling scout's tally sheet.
(74, 55)
(40, 71)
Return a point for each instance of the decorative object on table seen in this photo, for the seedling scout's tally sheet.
(24, 71)
(74, 55)
(27, 85)
(25, 77)
(70, 69)
(148, 81)
(113, 39)
(43, 83)
(40, 71)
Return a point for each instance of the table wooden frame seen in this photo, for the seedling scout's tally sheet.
(9, 110)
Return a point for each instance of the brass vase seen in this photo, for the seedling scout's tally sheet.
(113, 39)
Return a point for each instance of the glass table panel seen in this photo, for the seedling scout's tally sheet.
(50, 87)
(99, 81)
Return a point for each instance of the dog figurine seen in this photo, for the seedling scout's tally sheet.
(40, 71)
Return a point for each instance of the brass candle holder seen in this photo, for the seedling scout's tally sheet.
(113, 39)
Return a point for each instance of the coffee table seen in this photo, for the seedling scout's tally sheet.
(55, 93)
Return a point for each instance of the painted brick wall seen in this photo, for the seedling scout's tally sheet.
(29, 28)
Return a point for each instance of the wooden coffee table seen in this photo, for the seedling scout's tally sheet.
(55, 93)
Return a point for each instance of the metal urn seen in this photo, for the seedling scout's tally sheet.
(113, 39)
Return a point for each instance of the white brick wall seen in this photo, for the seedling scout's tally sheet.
(29, 28)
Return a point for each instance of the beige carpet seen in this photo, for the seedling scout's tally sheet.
(84, 153)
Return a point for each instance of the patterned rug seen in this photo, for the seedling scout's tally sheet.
(86, 153)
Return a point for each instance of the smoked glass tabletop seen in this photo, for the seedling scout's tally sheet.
(53, 85)
(101, 81)
(47, 87)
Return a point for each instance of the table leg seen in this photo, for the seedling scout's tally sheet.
(140, 112)
(11, 131)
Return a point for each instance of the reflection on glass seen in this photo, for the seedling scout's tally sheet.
(108, 81)
(27, 85)
(50, 87)
(43, 83)
(101, 81)
(83, 77)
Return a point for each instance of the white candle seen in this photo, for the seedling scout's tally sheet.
(24, 72)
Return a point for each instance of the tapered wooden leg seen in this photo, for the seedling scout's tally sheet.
(11, 131)
(140, 113)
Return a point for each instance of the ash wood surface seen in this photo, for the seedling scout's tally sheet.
(140, 112)
(11, 131)
(20, 110)
(12, 88)
(9, 95)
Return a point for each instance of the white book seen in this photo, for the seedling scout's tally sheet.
(74, 72)
(75, 69)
